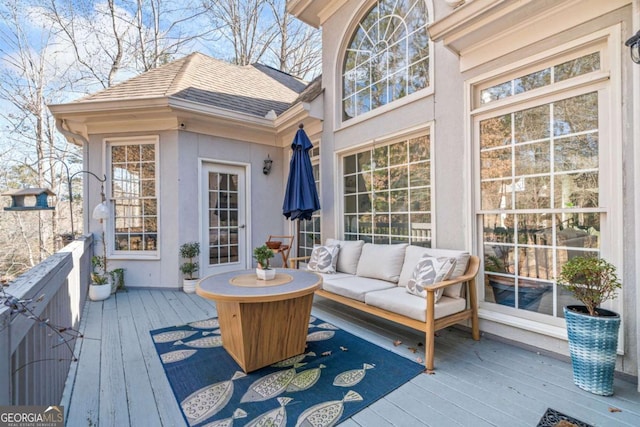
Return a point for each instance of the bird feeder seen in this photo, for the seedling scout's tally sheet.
(29, 199)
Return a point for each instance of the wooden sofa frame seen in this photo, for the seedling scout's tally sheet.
(432, 324)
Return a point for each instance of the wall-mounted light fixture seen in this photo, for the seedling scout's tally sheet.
(266, 168)
(634, 45)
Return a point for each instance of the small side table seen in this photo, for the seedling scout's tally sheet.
(262, 322)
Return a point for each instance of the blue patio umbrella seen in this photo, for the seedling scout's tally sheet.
(300, 197)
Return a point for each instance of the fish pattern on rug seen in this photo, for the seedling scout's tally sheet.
(321, 387)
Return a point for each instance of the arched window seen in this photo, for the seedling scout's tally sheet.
(387, 57)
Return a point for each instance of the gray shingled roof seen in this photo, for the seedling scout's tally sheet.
(253, 89)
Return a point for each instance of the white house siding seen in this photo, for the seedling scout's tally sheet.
(454, 182)
(180, 154)
(443, 109)
(625, 193)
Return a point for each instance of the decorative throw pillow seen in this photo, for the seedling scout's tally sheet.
(428, 271)
(323, 259)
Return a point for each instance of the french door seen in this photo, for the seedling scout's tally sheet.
(223, 205)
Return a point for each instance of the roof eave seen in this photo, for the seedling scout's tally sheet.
(313, 12)
(101, 106)
(223, 113)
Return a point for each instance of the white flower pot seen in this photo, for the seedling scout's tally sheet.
(189, 285)
(99, 292)
(266, 274)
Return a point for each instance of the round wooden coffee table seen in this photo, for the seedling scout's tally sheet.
(262, 321)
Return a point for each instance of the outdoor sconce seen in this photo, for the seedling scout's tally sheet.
(266, 169)
(634, 46)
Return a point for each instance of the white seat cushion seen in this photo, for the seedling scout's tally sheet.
(348, 255)
(413, 255)
(354, 287)
(382, 262)
(326, 277)
(397, 300)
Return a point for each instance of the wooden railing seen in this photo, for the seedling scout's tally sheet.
(34, 360)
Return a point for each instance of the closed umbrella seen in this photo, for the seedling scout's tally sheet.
(300, 197)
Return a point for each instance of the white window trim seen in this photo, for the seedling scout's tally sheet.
(612, 247)
(336, 76)
(110, 231)
(338, 201)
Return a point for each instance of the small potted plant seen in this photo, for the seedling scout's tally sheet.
(592, 331)
(100, 287)
(190, 251)
(263, 254)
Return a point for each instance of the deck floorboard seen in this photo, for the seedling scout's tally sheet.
(119, 379)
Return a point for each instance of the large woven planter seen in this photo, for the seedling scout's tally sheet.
(593, 341)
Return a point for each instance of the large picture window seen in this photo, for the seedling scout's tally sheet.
(134, 194)
(387, 193)
(541, 198)
(387, 57)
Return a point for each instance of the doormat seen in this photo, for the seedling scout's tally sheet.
(338, 375)
(553, 418)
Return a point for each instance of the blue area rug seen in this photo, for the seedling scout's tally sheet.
(337, 376)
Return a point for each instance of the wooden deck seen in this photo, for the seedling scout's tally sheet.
(119, 380)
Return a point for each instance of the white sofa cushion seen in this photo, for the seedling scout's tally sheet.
(354, 287)
(397, 300)
(428, 271)
(323, 259)
(348, 255)
(413, 255)
(382, 262)
(333, 276)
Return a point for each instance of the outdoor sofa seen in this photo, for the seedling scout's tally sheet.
(375, 279)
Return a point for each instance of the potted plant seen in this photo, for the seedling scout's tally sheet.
(100, 287)
(190, 251)
(592, 331)
(263, 254)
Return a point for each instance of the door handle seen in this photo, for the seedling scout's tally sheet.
(241, 226)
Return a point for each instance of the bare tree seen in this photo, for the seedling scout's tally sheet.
(297, 48)
(166, 28)
(262, 31)
(116, 39)
(28, 82)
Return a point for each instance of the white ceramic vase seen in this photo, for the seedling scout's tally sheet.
(266, 274)
(189, 285)
(99, 292)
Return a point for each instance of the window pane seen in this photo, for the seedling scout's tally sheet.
(532, 158)
(496, 163)
(533, 192)
(496, 194)
(532, 81)
(392, 202)
(387, 57)
(531, 124)
(495, 132)
(576, 152)
(576, 114)
(577, 67)
(419, 149)
(133, 184)
(576, 190)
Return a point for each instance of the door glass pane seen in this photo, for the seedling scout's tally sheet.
(223, 218)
